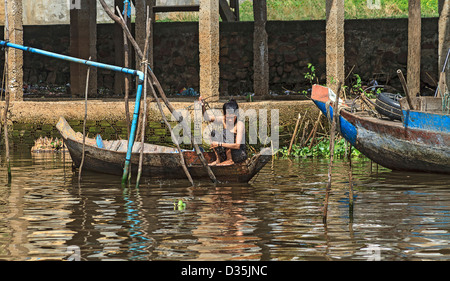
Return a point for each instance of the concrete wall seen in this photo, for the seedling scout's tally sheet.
(43, 12)
(375, 49)
(46, 12)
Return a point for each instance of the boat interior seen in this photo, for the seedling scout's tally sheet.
(368, 110)
(426, 104)
(121, 146)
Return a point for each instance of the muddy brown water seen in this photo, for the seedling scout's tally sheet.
(45, 213)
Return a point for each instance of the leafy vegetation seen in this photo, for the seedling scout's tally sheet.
(285, 10)
(320, 150)
(354, 9)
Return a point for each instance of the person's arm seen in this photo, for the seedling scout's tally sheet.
(239, 138)
(204, 113)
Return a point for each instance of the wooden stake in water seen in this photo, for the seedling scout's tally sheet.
(84, 122)
(144, 114)
(312, 135)
(294, 134)
(330, 165)
(350, 182)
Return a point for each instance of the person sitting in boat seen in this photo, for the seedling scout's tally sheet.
(230, 148)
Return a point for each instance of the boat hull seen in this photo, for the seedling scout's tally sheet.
(393, 145)
(162, 165)
(399, 148)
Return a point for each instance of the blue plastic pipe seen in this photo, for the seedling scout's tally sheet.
(127, 2)
(137, 73)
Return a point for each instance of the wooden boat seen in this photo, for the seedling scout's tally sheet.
(420, 142)
(158, 161)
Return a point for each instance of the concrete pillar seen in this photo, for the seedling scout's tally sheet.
(83, 44)
(260, 50)
(335, 58)
(15, 57)
(209, 49)
(119, 81)
(444, 37)
(414, 47)
(140, 27)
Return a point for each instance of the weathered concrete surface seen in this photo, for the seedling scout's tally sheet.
(36, 112)
(414, 47)
(44, 12)
(335, 58)
(260, 50)
(15, 57)
(140, 27)
(83, 42)
(209, 49)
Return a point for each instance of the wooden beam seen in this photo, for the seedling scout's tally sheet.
(176, 8)
(414, 47)
(225, 11)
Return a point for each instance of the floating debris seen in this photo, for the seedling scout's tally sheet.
(48, 145)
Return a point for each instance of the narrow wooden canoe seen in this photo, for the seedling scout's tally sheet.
(158, 161)
(421, 142)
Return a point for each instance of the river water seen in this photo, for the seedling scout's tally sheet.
(45, 213)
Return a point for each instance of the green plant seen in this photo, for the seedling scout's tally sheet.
(311, 74)
(320, 150)
(316, 10)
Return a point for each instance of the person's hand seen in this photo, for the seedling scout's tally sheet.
(200, 99)
(214, 144)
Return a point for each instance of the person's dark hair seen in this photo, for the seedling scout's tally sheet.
(231, 106)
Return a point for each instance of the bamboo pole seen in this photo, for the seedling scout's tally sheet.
(350, 183)
(440, 89)
(126, 64)
(302, 142)
(409, 98)
(7, 97)
(312, 135)
(144, 64)
(330, 165)
(294, 134)
(171, 109)
(154, 81)
(84, 123)
(182, 160)
(120, 20)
